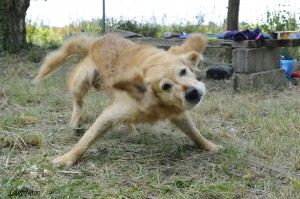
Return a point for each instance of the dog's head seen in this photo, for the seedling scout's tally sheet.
(169, 76)
(174, 82)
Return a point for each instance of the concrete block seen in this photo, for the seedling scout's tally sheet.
(252, 60)
(273, 78)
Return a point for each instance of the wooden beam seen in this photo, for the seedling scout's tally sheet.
(176, 42)
(270, 43)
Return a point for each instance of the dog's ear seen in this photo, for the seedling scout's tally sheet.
(133, 83)
(192, 59)
(193, 43)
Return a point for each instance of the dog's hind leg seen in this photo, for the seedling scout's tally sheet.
(78, 92)
(79, 83)
(186, 125)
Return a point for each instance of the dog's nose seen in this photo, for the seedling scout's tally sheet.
(192, 95)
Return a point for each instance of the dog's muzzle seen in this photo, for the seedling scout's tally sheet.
(192, 95)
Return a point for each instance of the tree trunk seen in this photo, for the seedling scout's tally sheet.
(3, 24)
(233, 15)
(12, 24)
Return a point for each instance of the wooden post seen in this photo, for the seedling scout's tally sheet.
(103, 17)
(233, 14)
(3, 24)
(232, 22)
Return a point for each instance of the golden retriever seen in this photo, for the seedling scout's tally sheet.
(146, 84)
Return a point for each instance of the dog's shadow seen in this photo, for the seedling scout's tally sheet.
(152, 147)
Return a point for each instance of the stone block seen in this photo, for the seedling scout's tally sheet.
(252, 60)
(273, 78)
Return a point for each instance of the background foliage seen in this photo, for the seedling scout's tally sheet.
(51, 37)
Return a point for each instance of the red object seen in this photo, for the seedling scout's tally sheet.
(294, 74)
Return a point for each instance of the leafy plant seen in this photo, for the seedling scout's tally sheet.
(280, 21)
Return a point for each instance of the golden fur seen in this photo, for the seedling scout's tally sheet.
(146, 85)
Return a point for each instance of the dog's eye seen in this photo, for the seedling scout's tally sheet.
(182, 72)
(166, 86)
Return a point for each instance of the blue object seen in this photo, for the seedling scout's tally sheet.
(182, 35)
(267, 36)
(167, 35)
(244, 35)
(288, 66)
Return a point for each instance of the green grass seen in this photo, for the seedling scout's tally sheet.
(259, 130)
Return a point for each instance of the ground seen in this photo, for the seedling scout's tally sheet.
(258, 129)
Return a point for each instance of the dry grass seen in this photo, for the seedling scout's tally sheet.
(259, 130)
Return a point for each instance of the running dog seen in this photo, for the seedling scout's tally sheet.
(146, 84)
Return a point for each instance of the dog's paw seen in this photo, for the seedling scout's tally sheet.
(67, 160)
(213, 148)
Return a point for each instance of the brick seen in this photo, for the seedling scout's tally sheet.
(252, 60)
(273, 78)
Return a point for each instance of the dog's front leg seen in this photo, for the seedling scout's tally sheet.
(186, 125)
(109, 118)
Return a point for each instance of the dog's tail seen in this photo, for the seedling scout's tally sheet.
(74, 47)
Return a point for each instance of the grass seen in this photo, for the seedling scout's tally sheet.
(259, 130)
